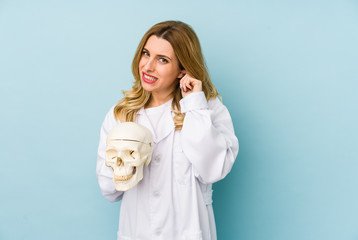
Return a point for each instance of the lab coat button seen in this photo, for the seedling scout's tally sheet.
(157, 158)
(158, 231)
(156, 194)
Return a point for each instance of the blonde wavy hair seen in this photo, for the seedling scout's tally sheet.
(187, 49)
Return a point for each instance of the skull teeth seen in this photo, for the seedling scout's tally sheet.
(125, 178)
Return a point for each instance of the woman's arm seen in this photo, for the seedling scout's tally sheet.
(104, 173)
(208, 137)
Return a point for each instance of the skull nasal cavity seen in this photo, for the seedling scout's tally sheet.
(120, 162)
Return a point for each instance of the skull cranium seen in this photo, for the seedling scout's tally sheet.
(129, 147)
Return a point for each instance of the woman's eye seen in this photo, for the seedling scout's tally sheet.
(145, 53)
(163, 60)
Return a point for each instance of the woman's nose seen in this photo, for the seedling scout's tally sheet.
(149, 65)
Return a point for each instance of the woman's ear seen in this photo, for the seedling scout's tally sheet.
(182, 73)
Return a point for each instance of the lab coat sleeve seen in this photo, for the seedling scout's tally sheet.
(104, 173)
(208, 137)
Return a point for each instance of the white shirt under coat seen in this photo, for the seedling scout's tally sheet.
(174, 199)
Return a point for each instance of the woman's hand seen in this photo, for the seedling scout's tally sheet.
(188, 85)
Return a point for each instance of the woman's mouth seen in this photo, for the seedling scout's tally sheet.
(148, 78)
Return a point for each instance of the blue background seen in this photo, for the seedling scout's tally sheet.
(287, 71)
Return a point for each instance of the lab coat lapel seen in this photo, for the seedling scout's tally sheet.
(165, 125)
(142, 119)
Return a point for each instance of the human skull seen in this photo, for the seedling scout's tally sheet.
(129, 147)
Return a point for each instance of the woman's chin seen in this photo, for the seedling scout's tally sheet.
(147, 87)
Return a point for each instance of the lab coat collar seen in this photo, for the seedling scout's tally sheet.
(165, 125)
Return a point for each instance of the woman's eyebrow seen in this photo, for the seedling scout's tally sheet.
(163, 56)
(159, 55)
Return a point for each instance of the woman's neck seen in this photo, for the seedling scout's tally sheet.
(156, 100)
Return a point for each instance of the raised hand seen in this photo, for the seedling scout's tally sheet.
(188, 85)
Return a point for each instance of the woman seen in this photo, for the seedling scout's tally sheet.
(194, 140)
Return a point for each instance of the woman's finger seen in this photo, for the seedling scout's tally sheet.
(190, 84)
(183, 82)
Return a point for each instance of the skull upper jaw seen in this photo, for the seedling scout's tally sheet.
(124, 185)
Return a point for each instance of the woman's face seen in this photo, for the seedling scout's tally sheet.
(159, 67)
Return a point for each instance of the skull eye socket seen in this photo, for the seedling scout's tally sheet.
(111, 155)
(132, 154)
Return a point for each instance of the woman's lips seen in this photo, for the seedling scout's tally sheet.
(148, 78)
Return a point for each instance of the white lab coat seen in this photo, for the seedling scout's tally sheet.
(174, 199)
